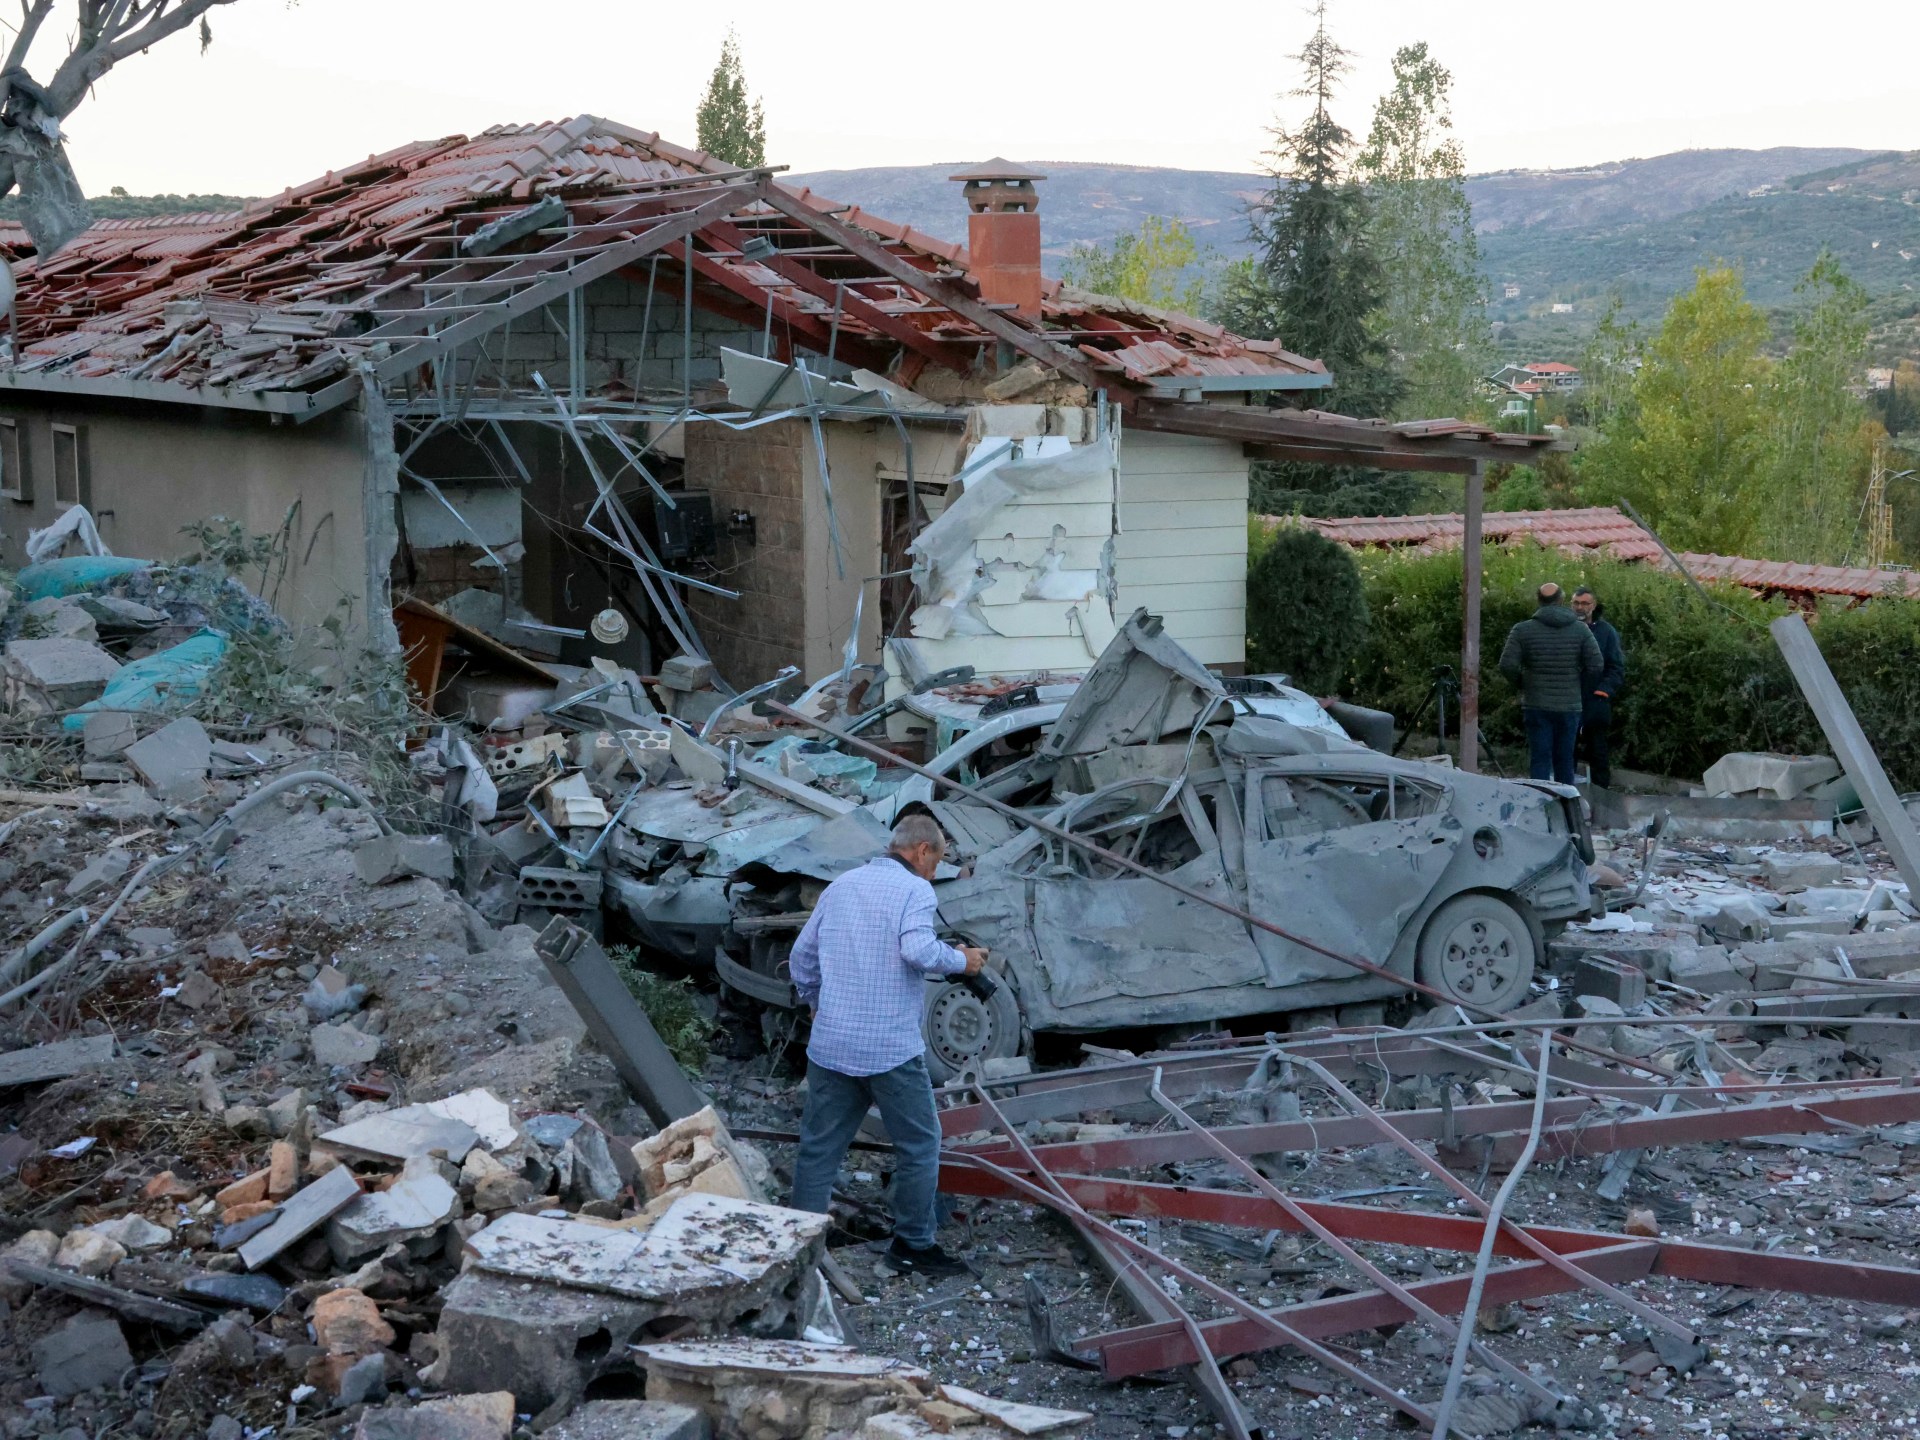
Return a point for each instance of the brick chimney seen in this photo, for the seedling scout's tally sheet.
(1003, 233)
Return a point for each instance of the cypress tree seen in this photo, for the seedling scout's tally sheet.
(729, 128)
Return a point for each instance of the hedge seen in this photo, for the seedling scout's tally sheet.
(1703, 676)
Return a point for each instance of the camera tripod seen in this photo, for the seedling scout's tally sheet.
(1445, 687)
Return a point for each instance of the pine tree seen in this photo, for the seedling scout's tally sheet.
(728, 128)
(1315, 286)
(1316, 258)
(1433, 311)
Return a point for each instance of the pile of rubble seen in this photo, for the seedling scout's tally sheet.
(322, 1115)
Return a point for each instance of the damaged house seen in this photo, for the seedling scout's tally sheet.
(570, 375)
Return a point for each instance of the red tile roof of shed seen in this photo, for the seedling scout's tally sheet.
(1605, 528)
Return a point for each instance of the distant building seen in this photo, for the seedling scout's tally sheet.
(1537, 377)
(1512, 292)
(1561, 307)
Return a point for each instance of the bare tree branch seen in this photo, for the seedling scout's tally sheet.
(135, 31)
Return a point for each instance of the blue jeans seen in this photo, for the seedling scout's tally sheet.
(836, 1104)
(1550, 737)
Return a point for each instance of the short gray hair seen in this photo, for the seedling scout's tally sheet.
(917, 830)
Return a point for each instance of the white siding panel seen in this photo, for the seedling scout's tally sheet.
(1181, 569)
(1224, 541)
(1185, 515)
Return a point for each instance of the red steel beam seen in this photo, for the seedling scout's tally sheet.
(1576, 1129)
(855, 304)
(1424, 1229)
(1142, 1349)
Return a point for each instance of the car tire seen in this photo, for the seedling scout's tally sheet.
(1479, 950)
(962, 1030)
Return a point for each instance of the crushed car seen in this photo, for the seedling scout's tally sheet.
(672, 849)
(1454, 879)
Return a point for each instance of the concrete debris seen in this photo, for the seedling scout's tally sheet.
(41, 1063)
(388, 1136)
(1783, 777)
(174, 760)
(107, 868)
(413, 1208)
(54, 676)
(384, 859)
(343, 1045)
(134, 1233)
(88, 1252)
(633, 1420)
(88, 1353)
(304, 1213)
(486, 1416)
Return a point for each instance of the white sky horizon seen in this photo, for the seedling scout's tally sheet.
(290, 90)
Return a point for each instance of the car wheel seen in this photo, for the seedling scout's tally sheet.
(962, 1029)
(1480, 950)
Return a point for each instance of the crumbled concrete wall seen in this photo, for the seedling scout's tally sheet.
(759, 470)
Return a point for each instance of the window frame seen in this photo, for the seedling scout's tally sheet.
(16, 482)
(77, 437)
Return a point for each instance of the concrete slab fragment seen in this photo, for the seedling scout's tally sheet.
(1021, 1419)
(633, 1420)
(389, 1137)
(56, 674)
(174, 760)
(89, 1352)
(302, 1215)
(413, 1208)
(384, 859)
(542, 1342)
(55, 1061)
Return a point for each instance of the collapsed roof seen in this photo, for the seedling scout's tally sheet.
(373, 273)
(374, 262)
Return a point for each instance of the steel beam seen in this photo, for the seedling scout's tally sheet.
(934, 287)
(1850, 746)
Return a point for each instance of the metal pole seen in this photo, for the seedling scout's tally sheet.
(1470, 628)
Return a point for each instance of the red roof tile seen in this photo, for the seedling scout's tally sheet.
(1605, 528)
(192, 299)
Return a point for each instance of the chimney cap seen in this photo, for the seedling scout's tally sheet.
(998, 168)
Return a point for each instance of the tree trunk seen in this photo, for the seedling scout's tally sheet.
(53, 208)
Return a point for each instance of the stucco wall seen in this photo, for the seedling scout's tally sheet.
(148, 469)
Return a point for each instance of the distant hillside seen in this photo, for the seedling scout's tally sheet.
(1079, 204)
(1637, 228)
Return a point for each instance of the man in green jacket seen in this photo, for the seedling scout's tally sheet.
(1551, 657)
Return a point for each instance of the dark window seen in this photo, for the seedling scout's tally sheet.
(69, 466)
(13, 463)
(1309, 805)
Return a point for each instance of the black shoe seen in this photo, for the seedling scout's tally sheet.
(930, 1261)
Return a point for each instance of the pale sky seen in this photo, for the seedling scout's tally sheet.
(290, 90)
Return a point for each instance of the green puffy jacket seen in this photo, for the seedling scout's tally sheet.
(1551, 658)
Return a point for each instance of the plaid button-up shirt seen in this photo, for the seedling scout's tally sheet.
(862, 963)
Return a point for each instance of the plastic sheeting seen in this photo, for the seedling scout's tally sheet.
(74, 575)
(161, 681)
(1027, 548)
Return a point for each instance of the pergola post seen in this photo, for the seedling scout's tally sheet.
(1470, 622)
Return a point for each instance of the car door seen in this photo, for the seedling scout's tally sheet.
(1114, 948)
(1342, 858)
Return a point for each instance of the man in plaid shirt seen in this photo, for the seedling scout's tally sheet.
(861, 964)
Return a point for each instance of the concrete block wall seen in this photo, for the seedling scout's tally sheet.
(761, 470)
(625, 340)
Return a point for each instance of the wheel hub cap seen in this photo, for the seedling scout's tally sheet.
(1480, 956)
(959, 1027)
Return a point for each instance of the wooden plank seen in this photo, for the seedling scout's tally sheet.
(97, 1292)
(1200, 595)
(1184, 485)
(1137, 572)
(56, 1061)
(69, 799)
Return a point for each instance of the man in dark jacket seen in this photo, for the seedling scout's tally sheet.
(1552, 658)
(1596, 717)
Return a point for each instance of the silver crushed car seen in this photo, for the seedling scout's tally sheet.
(1454, 879)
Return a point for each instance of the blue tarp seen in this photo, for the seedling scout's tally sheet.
(73, 575)
(162, 681)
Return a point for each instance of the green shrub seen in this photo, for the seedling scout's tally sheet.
(1306, 608)
(1703, 677)
(672, 1005)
